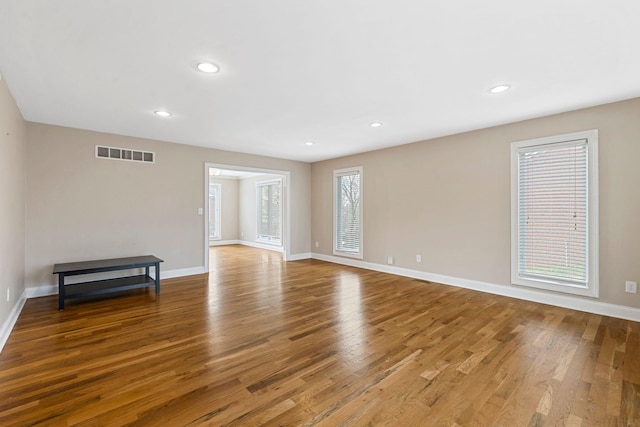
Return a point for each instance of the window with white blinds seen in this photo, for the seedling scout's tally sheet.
(269, 211)
(554, 218)
(348, 212)
(215, 191)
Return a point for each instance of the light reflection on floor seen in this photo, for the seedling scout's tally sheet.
(215, 279)
(351, 326)
(266, 291)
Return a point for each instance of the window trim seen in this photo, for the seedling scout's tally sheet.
(337, 173)
(592, 287)
(268, 241)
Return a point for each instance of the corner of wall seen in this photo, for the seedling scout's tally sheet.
(10, 322)
(13, 153)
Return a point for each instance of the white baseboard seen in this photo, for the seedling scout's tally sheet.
(262, 246)
(181, 272)
(41, 291)
(223, 242)
(8, 324)
(298, 257)
(566, 301)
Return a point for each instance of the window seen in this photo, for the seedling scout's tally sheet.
(269, 204)
(554, 234)
(215, 192)
(348, 212)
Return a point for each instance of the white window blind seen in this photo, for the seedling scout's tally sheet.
(269, 215)
(553, 223)
(348, 212)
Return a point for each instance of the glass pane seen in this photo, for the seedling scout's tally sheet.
(269, 212)
(214, 211)
(348, 212)
(553, 212)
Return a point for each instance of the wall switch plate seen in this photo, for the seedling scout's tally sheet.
(200, 211)
(418, 258)
(631, 287)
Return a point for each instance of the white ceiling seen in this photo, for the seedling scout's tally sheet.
(294, 71)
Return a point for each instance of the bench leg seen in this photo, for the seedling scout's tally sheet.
(60, 291)
(157, 277)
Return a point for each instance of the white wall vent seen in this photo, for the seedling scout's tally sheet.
(128, 154)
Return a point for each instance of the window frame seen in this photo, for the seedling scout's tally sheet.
(269, 239)
(336, 174)
(591, 288)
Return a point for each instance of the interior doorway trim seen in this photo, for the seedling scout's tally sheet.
(286, 242)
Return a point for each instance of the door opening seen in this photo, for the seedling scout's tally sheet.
(247, 206)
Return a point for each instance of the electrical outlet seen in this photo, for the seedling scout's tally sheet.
(418, 258)
(317, 244)
(200, 211)
(631, 287)
(390, 260)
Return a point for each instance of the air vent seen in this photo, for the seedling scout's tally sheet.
(128, 154)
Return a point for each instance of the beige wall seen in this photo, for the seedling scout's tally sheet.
(80, 207)
(12, 199)
(448, 199)
(228, 207)
(248, 208)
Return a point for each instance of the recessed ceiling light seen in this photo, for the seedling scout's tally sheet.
(375, 124)
(207, 67)
(499, 88)
(162, 113)
(309, 143)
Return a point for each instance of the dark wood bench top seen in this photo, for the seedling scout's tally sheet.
(99, 265)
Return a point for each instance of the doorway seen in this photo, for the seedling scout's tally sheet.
(246, 206)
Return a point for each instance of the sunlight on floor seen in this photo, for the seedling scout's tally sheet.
(351, 326)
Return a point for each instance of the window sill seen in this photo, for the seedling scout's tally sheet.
(568, 289)
(357, 255)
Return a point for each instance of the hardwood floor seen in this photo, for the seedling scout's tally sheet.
(309, 343)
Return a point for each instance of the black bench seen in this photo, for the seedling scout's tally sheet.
(97, 287)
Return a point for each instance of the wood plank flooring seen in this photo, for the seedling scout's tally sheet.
(308, 343)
